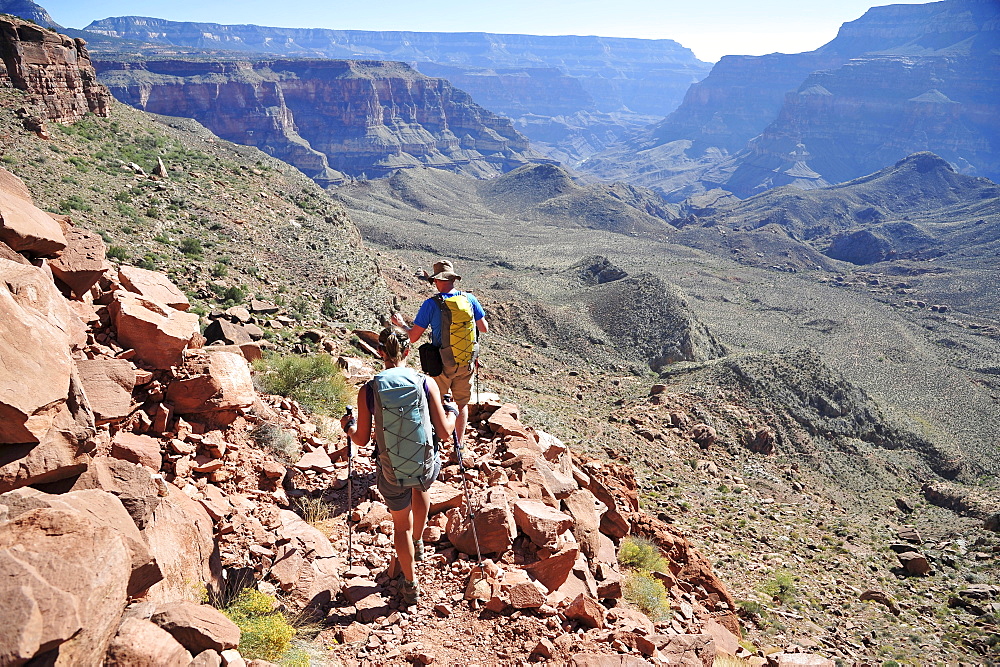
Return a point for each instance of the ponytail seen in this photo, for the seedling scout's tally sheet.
(394, 343)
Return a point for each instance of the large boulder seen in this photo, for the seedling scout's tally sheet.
(37, 330)
(131, 483)
(197, 627)
(108, 384)
(140, 642)
(136, 448)
(542, 524)
(64, 578)
(23, 226)
(194, 571)
(81, 264)
(63, 450)
(158, 333)
(154, 286)
(103, 509)
(583, 507)
(494, 524)
(216, 380)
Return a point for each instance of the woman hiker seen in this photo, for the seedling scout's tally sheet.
(404, 411)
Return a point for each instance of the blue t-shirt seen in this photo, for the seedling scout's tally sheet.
(430, 314)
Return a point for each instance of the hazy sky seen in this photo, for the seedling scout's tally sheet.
(711, 29)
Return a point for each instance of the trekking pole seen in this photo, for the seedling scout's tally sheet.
(350, 491)
(468, 498)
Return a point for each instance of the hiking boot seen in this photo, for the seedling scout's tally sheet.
(418, 549)
(410, 591)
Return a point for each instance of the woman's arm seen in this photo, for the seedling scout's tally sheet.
(361, 431)
(442, 417)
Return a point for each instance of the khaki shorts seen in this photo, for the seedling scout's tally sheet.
(457, 380)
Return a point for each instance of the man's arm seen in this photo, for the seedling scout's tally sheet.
(482, 325)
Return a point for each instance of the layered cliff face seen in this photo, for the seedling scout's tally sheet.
(607, 85)
(900, 79)
(330, 118)
(55, 71)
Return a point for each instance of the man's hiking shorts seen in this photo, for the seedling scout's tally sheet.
(458, 381)
(399, 497)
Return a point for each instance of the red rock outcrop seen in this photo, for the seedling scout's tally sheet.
(54, 69)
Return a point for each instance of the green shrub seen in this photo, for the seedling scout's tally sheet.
(781, 587)
(647, 593)
(148, 262)
(117, 252)
(191, 247)
(637, 553)
(265, 633)
(220, 270)
(277, 441)
(314, 381)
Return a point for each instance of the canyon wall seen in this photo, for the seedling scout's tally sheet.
(900, 79)
(573, 95)
(53, 69)
(333, 119)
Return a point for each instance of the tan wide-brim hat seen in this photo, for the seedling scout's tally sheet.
(443, 270)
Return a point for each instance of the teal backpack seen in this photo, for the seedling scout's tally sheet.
(398, 399)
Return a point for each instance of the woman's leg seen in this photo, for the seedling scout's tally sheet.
(420, 504)
(402, 537)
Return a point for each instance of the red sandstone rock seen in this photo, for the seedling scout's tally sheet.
(153, 286)
(72, 574)
(53, 69)
(103, 509)
(140, 642)
(444, 497)
(525, 596)
(505, 421)
(62, 452)
(197, 626)
(686, 650)
(217, 381)
(157, 333)
(25, 227)
(131, 483)
(108, 384)
(80, 265)
(542, 524)
(586, 610)
(140, 449)
(187, 572)
(581, 505)
(35, 340)
(494, 524)
(553, 571)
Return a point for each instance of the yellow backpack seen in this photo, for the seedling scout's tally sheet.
(458, 330)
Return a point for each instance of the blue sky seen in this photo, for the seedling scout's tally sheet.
(710, 29)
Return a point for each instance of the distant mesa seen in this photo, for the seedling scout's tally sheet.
(572, 95)
(333, 119)
(30, 11)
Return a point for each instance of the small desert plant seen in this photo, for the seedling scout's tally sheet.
(276, 439)
(781, 587)
(314, 510)
(314, 381)
(117, 252)
(637, 553)
(265, 633)
(647, 593)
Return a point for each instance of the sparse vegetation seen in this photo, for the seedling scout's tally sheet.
(314, 381)
(781, 587)
(277, 440)
(647, 593)
(265, 632)
(638, 553)
(314, 510)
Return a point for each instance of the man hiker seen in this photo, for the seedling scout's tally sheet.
(456, 319)
(404, 411)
